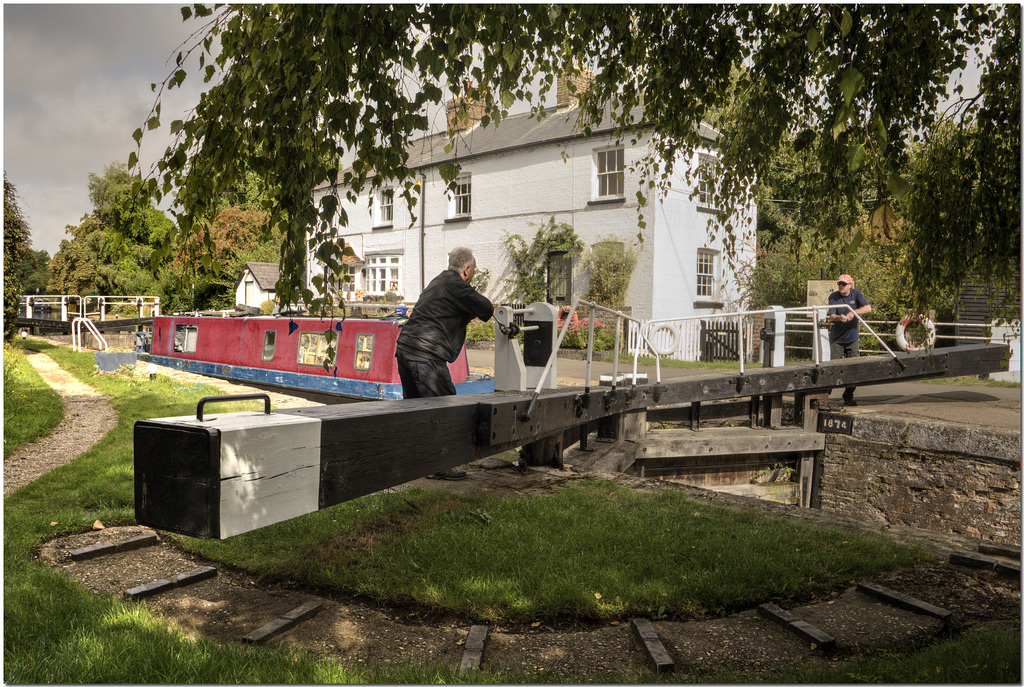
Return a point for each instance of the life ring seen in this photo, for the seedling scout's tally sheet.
(674, 336)
(905, 323)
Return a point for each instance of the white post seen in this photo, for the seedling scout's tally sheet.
(778, 317)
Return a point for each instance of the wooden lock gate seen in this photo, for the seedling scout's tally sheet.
(221, 475)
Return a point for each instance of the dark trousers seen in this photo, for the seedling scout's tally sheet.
(850, 350)
(422, 378)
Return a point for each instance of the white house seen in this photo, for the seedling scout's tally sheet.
(515, 177)
(257, 283)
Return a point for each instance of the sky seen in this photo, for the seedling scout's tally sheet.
(76, 85)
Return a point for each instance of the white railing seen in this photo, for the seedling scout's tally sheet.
(807, 325)
(76, 333)
(687, 335)
(99, 305)
(663, 338)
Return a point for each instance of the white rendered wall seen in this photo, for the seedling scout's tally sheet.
(516, 192)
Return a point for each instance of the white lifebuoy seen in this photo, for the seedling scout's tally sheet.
(673, 337)
(901, 333)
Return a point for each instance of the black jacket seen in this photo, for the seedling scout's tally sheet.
(436, 329)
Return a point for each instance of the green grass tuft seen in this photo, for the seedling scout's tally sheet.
(31, 408)
(594, 550)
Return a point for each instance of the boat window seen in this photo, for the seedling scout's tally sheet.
(185, 337)
(269, 341)
(312, 348)
(364, 351)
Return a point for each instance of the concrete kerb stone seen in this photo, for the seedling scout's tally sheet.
(180, 580)
(473, 651)
(973, 560)
(900, 600)
(883, 430)
(97, 550)
(801, 628)
(998, 444)
(279, 625)
(653, 647)
(983, 442)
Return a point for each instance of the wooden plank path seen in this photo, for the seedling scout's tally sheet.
(231, 473)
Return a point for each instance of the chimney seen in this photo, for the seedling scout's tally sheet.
(474, 111)
(580, 80)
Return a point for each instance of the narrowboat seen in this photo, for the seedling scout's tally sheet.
(289, 353)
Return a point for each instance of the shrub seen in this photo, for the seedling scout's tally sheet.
(576, 337)
(267, 306)
(611, 264)
(480, 331)
(530, 261)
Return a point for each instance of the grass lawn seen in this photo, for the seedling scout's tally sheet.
(31, 408)
(575, 553)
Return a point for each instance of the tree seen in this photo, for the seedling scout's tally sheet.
(296, 88)
(17, 239)
(126, 220)
(238, 236)
(75, 266)
(34, 272)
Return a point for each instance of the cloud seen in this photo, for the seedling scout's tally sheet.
(76, 85)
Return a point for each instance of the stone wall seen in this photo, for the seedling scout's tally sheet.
(930, 475)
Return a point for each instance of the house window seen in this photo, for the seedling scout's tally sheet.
(185, 338)
(312, 349)
(364, 351)
(706, 263)
(385, 202)
(707, 180)
(350, 286)
(462, 197)
(269, 343)
(383, 274)
(610, 179)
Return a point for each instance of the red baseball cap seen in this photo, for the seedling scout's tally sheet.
(845, 278)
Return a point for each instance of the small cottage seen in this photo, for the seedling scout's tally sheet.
(257, 283)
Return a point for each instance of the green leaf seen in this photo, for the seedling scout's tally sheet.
(841, 122)
(855, 156)
(883, 219)
(898, 186)
(507, 99)
(137, 135)
(186, 13)
(847, 23)
(813, 39)
(852, 82)
(449, 171)
(858, 239)
(881, 135)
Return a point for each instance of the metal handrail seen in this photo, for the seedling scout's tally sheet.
(76, 334)
(619, 316)
(645, 329)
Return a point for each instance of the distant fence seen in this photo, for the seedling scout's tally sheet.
(703, 340)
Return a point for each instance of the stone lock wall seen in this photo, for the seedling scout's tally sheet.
(927, 475)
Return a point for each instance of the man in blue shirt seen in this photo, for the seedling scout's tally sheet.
(844, 337)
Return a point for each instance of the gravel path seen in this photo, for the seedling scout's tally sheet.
(88, 416)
